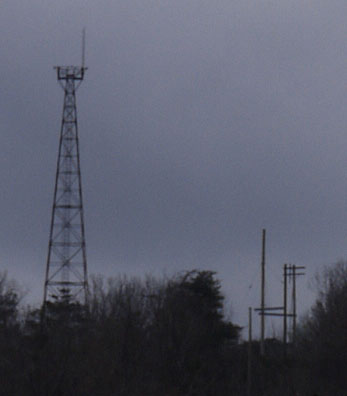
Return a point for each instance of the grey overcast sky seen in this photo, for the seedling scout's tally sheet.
(201, 122)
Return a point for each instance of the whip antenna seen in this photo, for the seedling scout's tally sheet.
(83, 46)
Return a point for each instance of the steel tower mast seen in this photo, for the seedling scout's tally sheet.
(66, 269)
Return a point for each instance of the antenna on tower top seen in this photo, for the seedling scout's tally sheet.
(83, 46)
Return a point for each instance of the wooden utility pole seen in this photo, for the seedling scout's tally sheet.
(289, 270)
(285, 274)
(262, 303)
(293, 273)
(249, 362)
(294, 303)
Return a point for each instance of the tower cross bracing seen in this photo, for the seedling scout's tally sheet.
(66, 268)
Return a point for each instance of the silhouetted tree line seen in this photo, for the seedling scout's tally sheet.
(316, 365)
(167, 338)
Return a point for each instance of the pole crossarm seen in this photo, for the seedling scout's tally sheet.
(276, 314)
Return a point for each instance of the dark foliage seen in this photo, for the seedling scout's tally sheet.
(323, 334)
(134, 338)
(165, 338)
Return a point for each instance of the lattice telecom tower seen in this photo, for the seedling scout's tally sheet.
(66, 270)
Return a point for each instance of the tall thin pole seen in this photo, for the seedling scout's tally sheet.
(294, 273)
(285, 308)
(249, 367)
(262, 304)
(294, 303)
(83, 46)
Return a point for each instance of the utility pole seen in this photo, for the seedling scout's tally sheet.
(66, 268)
(285, 274)
(262, 302)
(264, 311)
(282, 311)
(249, 362)
(289, 270)
(293, 273)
